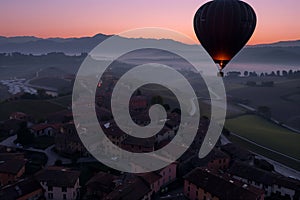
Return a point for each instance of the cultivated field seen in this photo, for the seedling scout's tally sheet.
(282, 99)
(266, 133)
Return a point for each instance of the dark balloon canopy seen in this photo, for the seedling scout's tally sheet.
(223, 27)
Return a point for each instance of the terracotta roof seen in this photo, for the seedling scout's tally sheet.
(102, 182)
(151, 177)
(144, 142)
(58, 176)
(194, 161)
(20, 189)
(11, 156)
(10, 124)
(18, 115)
(38, 127)
(236, 151)
(261, 176)
(113, 130)
(12, 166)
(219, 187)
(134, 190)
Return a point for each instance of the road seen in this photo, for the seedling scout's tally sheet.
(252, 142)
(52, 156)
(279, 168)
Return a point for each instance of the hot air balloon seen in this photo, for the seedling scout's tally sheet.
(223, 27)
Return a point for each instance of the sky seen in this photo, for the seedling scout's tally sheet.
(278, 20)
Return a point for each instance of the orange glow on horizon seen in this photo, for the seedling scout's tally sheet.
(63, 18)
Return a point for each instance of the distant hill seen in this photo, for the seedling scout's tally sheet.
(294, 43)
(289, 55)
(36, 45)
(284, 52)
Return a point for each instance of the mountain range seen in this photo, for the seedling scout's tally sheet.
(283, 52)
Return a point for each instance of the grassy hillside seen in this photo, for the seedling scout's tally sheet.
(36, 108)
(266, 133)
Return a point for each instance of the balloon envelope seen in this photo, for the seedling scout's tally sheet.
(223, 27)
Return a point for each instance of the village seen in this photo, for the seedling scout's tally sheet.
(47, 160)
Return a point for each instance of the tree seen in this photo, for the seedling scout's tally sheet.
(253, 74)
(176, 110)
(272, 73)
(138, 93)
(58, 162)
(24, 135)
(264, 111)
(157, 100)
(41, 93)
(167, 107)
(278, 72)
(284, 73)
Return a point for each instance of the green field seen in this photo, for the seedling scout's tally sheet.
(264, 152)
(64, 101)
(266, 133)
(38, 109)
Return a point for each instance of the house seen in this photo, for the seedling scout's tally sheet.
(12, 155)
(134, 189)
(11, 170)
(202, 184)
(237, 153)
(68, 142)
(10, 127)
(216, 160)
(138, 145)
(103, 114)
(271, 183)
(20, 116)
(45, 129)
(138, 103)
(157, 180)
(59, 183)
(140, 118)
(165, 134)
(115, 135)
(22, 190)
(60, 117)
(101, 185)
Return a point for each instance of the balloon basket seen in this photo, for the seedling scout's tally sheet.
(220, 74)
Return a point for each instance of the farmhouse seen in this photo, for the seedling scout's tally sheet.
(270, 182)
(11, 170)
(59, 183)
(203, 184)
(22, 190)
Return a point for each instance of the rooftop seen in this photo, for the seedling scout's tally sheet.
(19, 189)
(261, 176)
(12, 166)
(219, 187)
(134, 190)
(58, 176)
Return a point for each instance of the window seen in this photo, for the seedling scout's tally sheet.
(50, 195)
(64, 189)
(64, 196)
(50, 188)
